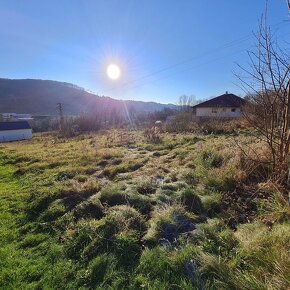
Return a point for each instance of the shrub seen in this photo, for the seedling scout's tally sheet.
(219, 126)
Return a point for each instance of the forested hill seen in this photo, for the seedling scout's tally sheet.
(41, 97)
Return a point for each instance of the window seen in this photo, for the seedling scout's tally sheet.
(233, 109)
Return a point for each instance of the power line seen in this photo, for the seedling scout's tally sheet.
(227, 45)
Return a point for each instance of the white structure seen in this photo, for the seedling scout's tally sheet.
(224, 106)
(224, 112)
(15, 116)
(12, 131)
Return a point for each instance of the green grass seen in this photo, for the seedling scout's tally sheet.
(85, 213)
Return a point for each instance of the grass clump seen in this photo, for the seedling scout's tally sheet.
(120, 231)
(124, 167)
(89, 209)
(191, 201)
(215, 238)
(161, 269)
(168, 223)
(143, 204)
(212, 203)
(113, 195)
(275, 209)
(146, 188)
(55, 210)
(101, 270)
(211, 159)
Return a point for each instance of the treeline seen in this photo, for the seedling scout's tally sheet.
(108, 118)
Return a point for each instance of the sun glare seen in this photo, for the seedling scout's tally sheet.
(113, 71)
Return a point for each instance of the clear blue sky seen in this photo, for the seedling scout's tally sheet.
(165, 48)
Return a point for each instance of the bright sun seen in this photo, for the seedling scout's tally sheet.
(113, 71)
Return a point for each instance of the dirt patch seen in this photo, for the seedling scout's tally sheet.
(239, 206)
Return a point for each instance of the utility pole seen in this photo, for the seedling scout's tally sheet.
(61, 117)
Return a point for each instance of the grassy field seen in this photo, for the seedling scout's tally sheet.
(116, 211)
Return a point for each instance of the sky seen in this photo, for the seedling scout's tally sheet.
(164, 48)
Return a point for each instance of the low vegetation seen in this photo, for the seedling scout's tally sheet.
(100, 211)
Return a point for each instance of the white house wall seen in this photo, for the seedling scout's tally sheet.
(13, 135)
(220, 112)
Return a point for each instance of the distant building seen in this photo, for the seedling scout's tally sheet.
(13, 131)
(15, 116)
(224, 106)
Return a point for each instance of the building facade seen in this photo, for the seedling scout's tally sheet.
(224, 106)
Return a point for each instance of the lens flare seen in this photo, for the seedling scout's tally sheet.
(113, 71)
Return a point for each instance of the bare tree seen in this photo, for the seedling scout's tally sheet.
(267, 84)
(185, 102)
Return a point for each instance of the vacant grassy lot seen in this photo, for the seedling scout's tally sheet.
(115, 211)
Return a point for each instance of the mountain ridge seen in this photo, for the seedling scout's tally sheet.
(40, 97)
